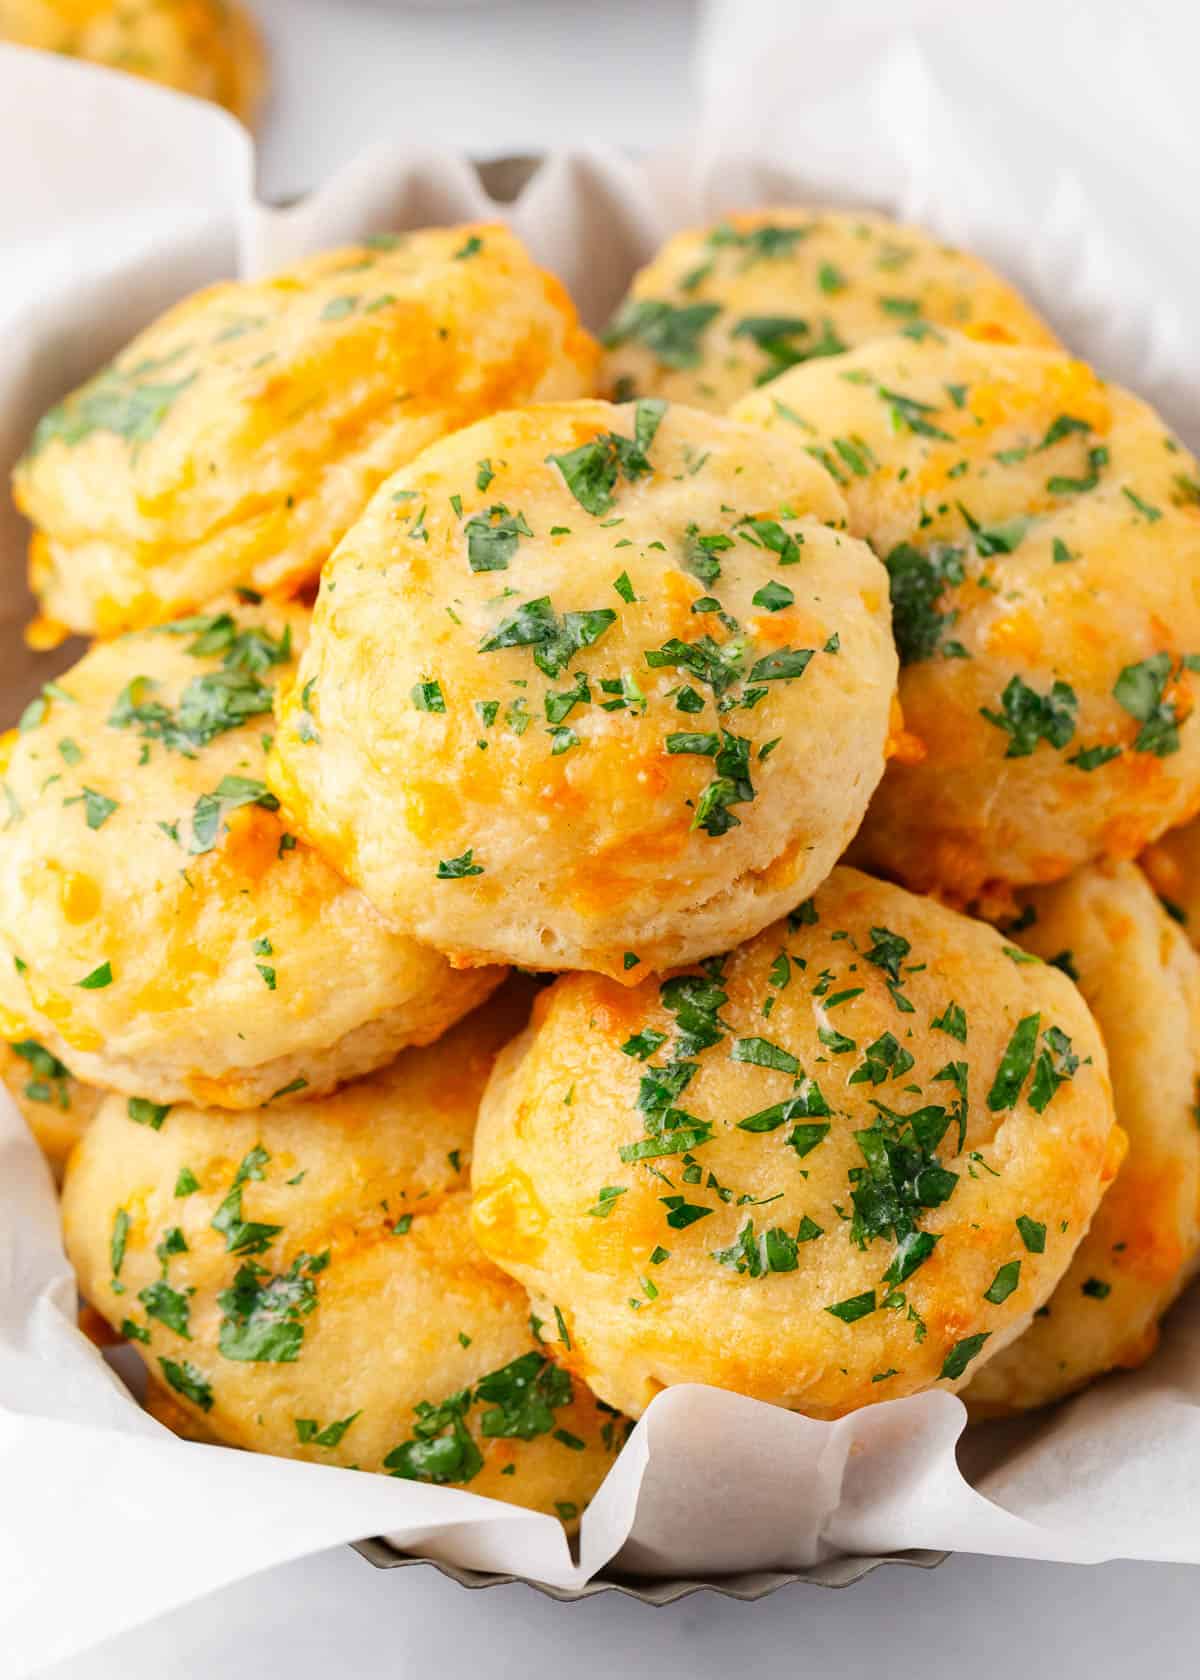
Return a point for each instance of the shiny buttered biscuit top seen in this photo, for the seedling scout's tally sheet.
(592, 687)
(725, 308)
(1042, 533)
(304, 1282)
(842, 1164)
(238, 436)
(163, 930)
(1141, 979)
(208, 48)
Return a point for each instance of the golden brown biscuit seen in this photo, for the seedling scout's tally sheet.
(305, 1282)
(55, 1106)
(722, 309)
(208, 48)
(805, 1172)
(1042, 532)
(162, 929)
(1173, 866)
(236, 439)
(1141, 979)
(592, 687)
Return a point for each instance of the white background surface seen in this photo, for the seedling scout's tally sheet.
(525, 77)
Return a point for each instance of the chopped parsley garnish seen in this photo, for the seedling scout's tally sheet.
(230, 794)
(902, 1176)
(1056, 1063)
(264, 1315)
(1028, 717)
(143, 1112)
(209, 705)
(218, 635)
(786, 340)
(591, 471)
(1061, 486)
(97, 807)
(116, 401)
(672, 332)
(908, 414)
(681, 1213)
(118, 1240)
(554, 641)
(243, 1236)
(961, 1355)
(732, 786)
(493, 536)
(1004, 1282)
(186, 1380)
(427, 696)
(520, 1401)
(1014, 1064)
(51, 1076)
(459, 868)
(606, 1200)
(854, 1307)
(310, 1434)
(1141, 691)
(1033, 1233)
(919, 580)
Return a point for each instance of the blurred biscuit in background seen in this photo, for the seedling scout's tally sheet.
(208, 48)
(722, 309)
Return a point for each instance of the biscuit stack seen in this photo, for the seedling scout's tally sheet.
(849, 567)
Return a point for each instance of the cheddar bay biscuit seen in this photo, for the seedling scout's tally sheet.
(238, 436)
(802, 1172)
(163, 931)
(1172, 864)
(1042, 532)
(208, 48)
(1141, 980)
(722, 309)
(592, 687)
(54, 1104)
(304, 1282)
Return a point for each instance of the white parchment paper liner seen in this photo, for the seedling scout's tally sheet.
(117, 198)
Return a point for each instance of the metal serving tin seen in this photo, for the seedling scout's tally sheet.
(754, 1584)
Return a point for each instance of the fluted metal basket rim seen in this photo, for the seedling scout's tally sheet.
(747, 1587)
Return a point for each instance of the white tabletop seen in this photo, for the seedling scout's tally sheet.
(524, 77)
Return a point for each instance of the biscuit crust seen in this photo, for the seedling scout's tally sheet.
(592, 687)
(1141, 980)
(755, 1177)
(55, 1105)
(1042, 533)
(163, 931)
(304, 1282)
(236, 439)
(723, 309)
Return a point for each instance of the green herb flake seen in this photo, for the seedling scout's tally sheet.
(961, 1355)
(143, 1112)
(187, 1381)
